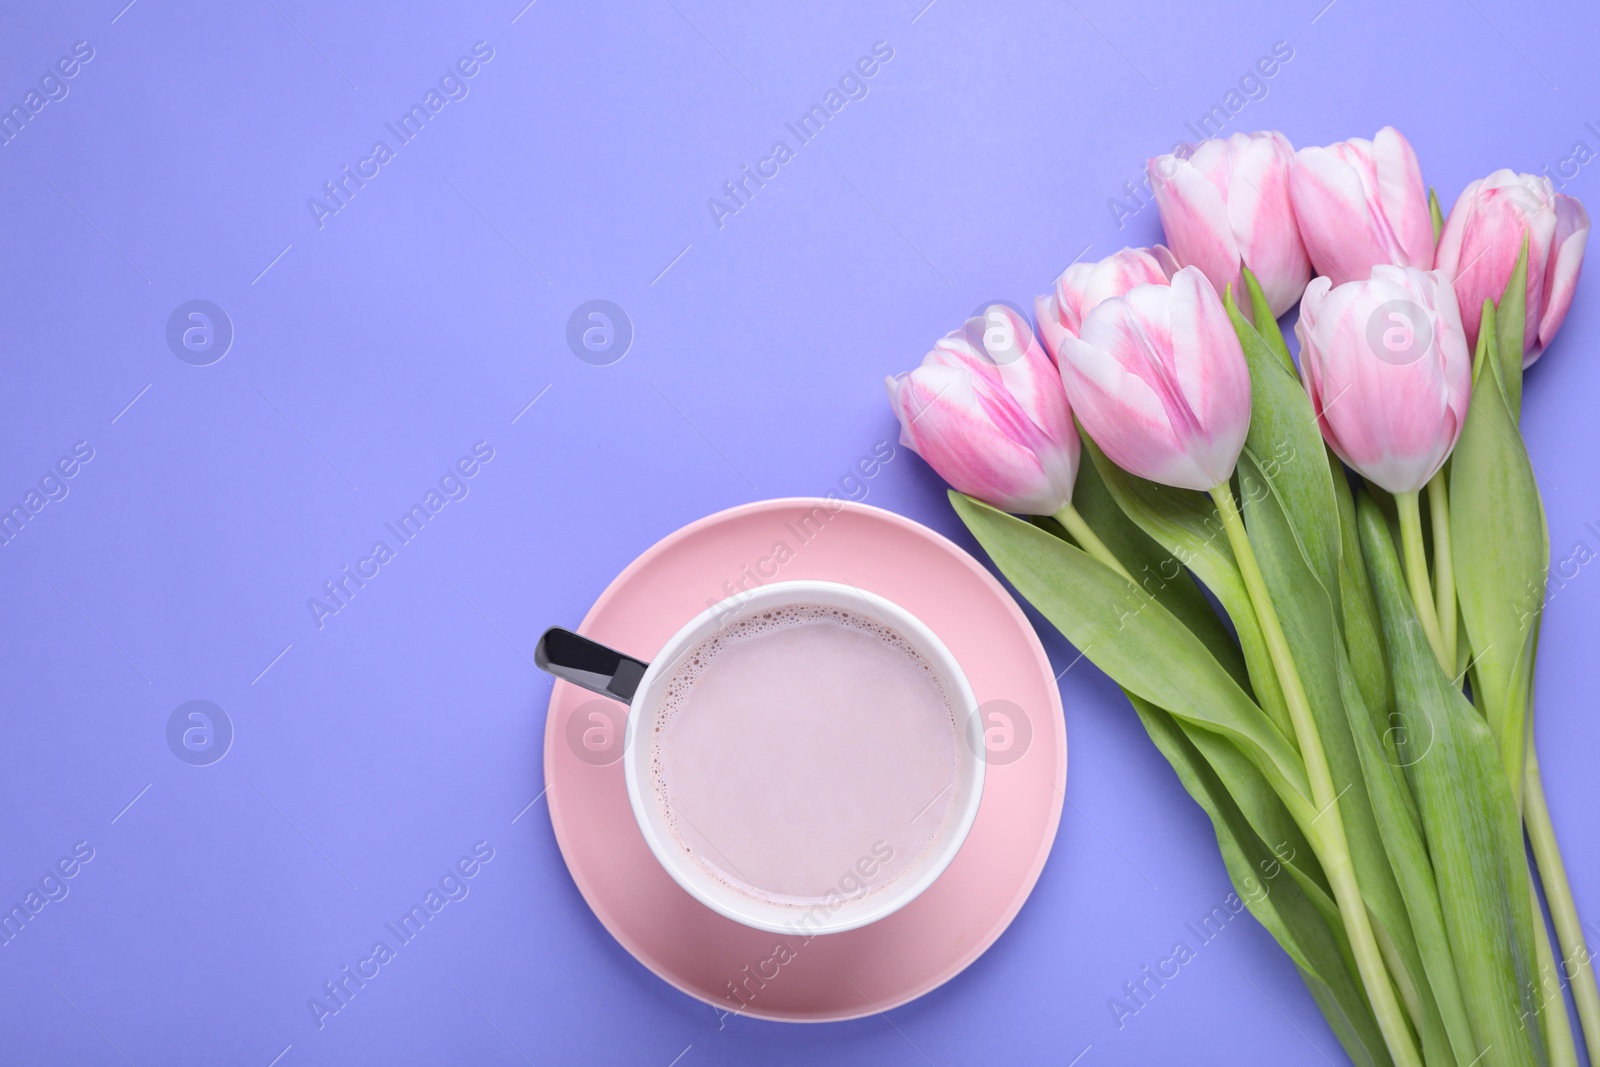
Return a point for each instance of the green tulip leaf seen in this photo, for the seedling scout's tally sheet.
(1133, 638)
(1510, 319)
(1247, 813)
(1362, 633)
(1289, 453)
(1501, 547)
(1383, 841)
(1187, 525)
(1470, 822)
(1313, 938)
(1156, 570)
(1266, 323)
(1160, 576)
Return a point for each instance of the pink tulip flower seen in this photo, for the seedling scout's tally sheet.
(1083, 285)
(1361, 203)
(1227, 202)
(1158, 379)
(1483, 237)
(1388, 370)
(986, 409)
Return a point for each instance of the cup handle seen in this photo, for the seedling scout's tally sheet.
(589, 664)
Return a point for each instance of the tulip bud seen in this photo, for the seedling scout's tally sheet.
(1227, 202)
(1388, 371)
(1483, 237)
(1083, 285)
(1361, 203)
(1158, 380)
(987, 410)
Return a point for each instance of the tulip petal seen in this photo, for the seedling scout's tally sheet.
(943, 419)
(1033, 381)
(1403, 197)
(1262, 218)
(1330, 207)
(1447, 256)
(1084, 286)
(1166, 262)
(1148, 380)
(1197, 221)
(1228, 203)
(1392, 414)
(988, 412)
(1473, 251)
(1484, 236)
(1571, 236)
(1212, 373)
(1360, 203)
(1125, 417)
(1047, 312)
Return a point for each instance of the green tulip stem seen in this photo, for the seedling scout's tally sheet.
(1404, 984)
(1416, 567)
(1552, 1009)
(1326, 829)
(1577, 957)
(1444, 570)
(1089, 541)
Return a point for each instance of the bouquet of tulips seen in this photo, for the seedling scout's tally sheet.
(1367, 520)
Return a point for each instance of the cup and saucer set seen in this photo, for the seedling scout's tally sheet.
(779, 876)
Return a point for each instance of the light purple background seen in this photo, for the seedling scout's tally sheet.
(427, 314)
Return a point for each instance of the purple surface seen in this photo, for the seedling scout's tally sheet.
(369, 354)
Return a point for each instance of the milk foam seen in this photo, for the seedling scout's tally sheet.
(805, 753)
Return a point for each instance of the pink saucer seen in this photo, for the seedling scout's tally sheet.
(926, 943)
